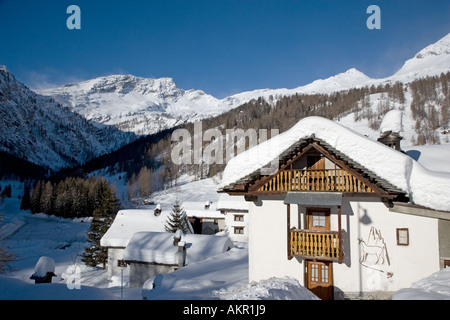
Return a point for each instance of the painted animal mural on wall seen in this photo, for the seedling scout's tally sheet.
(373, 250)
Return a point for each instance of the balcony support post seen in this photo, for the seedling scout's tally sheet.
(341, 256)
(288, 230)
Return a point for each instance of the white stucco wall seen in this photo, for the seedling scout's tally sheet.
(268, 242)
(386, 267)
(230, 223)
(114, 254)
(399, 266)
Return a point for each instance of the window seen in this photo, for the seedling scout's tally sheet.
(324, 274)
(238, 217)
(402, 236)
(318, 219)
(238, 230)
(319, 272)
(315, 272)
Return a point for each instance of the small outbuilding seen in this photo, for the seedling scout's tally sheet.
(44, 270)
(152, 253)
(125, 225)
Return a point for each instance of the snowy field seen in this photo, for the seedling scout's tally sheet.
(222, 277)
(32, 236)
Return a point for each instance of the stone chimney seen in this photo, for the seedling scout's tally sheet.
(157, 211)
(391, 139)
(181, 254)
(177, 237)
(390, 128)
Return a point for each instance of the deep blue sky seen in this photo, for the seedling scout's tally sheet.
(222, 47)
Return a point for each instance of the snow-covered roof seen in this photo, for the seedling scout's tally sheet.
(43, 266)
(424, 187)
(158, 247)
(200, 209)
(227, 202)
(128, 222)
(392, 121)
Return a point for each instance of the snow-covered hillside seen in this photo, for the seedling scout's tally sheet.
(38, 129)
(141, 105)
(430, 61)
(144, 105)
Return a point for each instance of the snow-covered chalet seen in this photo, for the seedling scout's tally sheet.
(345, 215)
(125, 225)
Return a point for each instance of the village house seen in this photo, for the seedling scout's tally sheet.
(125, 225)
(235, 211)
(152, 253)
(204, 217)
(347, 216)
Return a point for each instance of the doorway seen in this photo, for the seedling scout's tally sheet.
(319, 279)
(315, 162)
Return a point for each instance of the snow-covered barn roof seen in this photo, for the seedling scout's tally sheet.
(158, 247)
(232, 203)
(393, 170)
(128, 222)
(201, 209)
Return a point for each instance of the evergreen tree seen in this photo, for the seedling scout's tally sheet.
(35, 205)
(25, 204)
(175, 220)
(106, 206)
(6, 193)
(47, 198)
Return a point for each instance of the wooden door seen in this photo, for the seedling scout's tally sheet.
(316, 163)
(319, 279)
(316, 169)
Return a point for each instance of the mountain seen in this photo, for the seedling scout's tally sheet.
(145, 105)
(430, 61)
(141, 105)
(40, 130)
(74, 123)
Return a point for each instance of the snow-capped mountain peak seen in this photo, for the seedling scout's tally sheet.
(342, 81)
(430, 61)
(120, 99)
(120, 84)
(442, 47)
(354, 72)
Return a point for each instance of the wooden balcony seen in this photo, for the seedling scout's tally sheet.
(333, 180)
(314, 244)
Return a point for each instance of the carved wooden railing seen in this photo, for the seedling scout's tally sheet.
(315, 180)
(315, 244)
